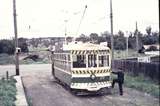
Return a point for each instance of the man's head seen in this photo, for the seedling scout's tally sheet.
(120, 68)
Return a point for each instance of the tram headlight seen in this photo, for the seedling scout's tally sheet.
(93, 76)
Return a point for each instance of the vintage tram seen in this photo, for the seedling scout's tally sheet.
(83, 66)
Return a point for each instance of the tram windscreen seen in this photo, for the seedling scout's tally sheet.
(92, 60)
(103, 60)
(79, 61)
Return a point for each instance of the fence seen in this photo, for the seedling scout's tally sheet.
(135, 68)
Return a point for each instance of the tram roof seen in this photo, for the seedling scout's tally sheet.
(84, 46)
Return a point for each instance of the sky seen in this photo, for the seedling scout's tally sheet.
(46, 18)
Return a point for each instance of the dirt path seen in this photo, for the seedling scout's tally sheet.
(42, 90)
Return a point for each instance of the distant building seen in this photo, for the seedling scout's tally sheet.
(151, 49)
(148, 46)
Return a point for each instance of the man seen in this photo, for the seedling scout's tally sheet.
(119, 80)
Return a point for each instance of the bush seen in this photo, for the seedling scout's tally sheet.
(7, 46)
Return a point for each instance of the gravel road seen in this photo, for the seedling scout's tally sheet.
(42, 90)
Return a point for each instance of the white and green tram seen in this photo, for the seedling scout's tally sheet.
(83, 66)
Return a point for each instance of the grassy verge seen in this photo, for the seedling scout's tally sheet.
(29, 101)
(6, 59)
(143, 84)
(7, 92)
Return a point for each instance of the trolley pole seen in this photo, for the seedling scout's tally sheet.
(112, 39)
(16, 40)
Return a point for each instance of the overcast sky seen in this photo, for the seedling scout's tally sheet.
(43, 18)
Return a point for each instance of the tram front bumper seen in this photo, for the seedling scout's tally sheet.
(91, 86)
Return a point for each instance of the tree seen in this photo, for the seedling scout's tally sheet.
(83, 38)
(119, 46)
(151, 39)
(34, 42)
(120, 33)
(69, 39)
(94, 37)
(107, 36)
(119, 41)
(7, 46)
(149, 30)
(23, 45)
(101, 39)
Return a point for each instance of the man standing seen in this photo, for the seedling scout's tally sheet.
(119, 80)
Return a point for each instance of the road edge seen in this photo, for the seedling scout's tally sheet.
(20, 97)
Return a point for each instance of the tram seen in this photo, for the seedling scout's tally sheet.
(83, 66)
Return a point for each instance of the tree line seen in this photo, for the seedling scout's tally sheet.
(7, 46)
(120, 39)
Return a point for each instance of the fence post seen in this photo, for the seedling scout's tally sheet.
(7, 75)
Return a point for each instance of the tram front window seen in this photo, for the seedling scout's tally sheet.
(103, 61)
(79, 61)
(92, 61)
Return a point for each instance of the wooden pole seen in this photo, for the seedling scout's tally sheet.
(112, 38)
(16, 37)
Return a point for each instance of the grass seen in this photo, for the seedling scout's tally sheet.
(29, 101)
(6, 59)
(7, 92)
(143, 84)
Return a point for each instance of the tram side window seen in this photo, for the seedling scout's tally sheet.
(103, 60)
(92, 61)
(69, 58)
(79, 61)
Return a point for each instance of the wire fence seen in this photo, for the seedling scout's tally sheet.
(135, 68)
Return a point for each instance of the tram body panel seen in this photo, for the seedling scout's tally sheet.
(91, 79)
(63, 75)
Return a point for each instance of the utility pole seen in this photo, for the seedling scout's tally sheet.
(136, 34)
(112, 39)
(127, 44)
(16, 40)
(65, 31)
